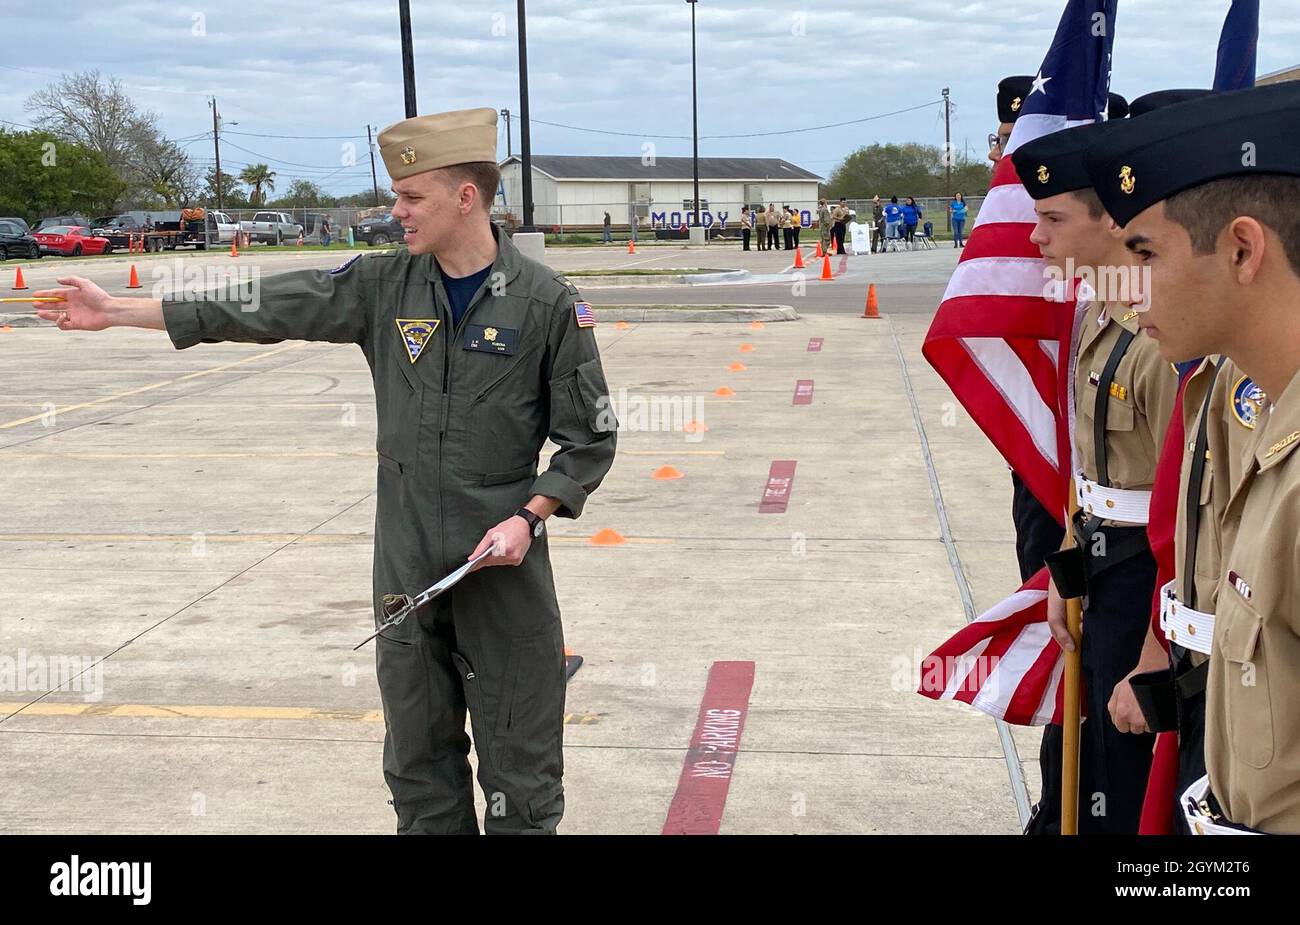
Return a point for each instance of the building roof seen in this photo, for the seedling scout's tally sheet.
(1287, 73)
(584, 167)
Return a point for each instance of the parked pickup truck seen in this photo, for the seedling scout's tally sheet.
(221, 229)
(271, 228)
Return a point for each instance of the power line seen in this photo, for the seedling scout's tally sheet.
(296, 137)
(278, 160)
(793, 131)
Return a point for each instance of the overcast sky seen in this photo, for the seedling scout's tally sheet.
(329, 67)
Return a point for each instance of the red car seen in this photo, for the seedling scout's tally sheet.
(71, 241)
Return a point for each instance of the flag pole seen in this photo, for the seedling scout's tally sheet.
(1071, 704)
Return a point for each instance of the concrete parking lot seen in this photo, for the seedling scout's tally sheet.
(192, 532)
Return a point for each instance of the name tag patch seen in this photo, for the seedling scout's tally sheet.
(486, 338)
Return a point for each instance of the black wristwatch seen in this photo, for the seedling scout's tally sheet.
(536, 525)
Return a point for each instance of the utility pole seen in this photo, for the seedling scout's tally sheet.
(373, 178)
(505, 114)
(947, 154)
(216, 147)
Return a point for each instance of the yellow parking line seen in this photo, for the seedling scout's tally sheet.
(150, 388)
(304, 455)
(202, 711)
(91, 538)
(183, 537)
(360, 454)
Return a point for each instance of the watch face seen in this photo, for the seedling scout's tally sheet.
(538, 527)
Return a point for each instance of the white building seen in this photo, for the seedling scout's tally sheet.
(575, 192)
(1277, 77)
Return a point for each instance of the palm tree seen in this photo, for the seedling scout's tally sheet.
(258, 176)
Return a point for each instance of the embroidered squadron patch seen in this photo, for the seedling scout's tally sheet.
(1247, 402)
(585, 316)
(416, 334)
(344, 265)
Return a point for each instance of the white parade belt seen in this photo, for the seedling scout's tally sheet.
(1199, 818)
(1118, 504)
(1183, 626)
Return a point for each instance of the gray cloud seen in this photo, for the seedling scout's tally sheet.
(328, 67)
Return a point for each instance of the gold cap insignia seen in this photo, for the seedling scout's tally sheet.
(1015, 105)
(1127, 182)
(490, 334)
(1043, 175)
(1129, 317)
(408, 155)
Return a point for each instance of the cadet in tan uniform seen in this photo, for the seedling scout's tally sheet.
(478, 355)
(1220, 410)
(1213, 215)
(1124, 394)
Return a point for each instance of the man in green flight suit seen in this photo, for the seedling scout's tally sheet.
(478, 355)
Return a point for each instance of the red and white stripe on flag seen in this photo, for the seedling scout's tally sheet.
(995, 341)
(1004, 663)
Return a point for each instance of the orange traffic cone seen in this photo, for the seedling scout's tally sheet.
(234, 245)
(19, 282)
(134, 282)
(818, 254)
(631, 247)
(667, 474)
(798, 259)
(607, 537)
(873, 309)
(826, 267)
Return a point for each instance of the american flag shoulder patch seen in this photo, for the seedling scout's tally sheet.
(585, 316)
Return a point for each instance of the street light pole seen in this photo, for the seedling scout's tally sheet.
(525, 143)
(408, 56)
(695, 121)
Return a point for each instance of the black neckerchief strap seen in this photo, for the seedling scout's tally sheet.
(1101, 407)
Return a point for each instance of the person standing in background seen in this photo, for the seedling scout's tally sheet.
(773, 222)
(824, 225)
(877, 225)
(911, 216)
(958, 209)
(787, 232)
(796, 224)
(606, 237)
(746, 226)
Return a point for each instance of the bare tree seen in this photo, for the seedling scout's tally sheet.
(162, 168)
(91, 111)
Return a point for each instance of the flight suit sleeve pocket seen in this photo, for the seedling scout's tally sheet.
(1247, 704)
(392, 465)
(591, 398)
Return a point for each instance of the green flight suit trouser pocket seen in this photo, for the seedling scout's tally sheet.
(514, 687)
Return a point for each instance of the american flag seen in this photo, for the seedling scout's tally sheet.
(586, 317)
(1004, 663)
(997, 341)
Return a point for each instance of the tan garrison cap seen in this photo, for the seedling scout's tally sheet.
(441, 140)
